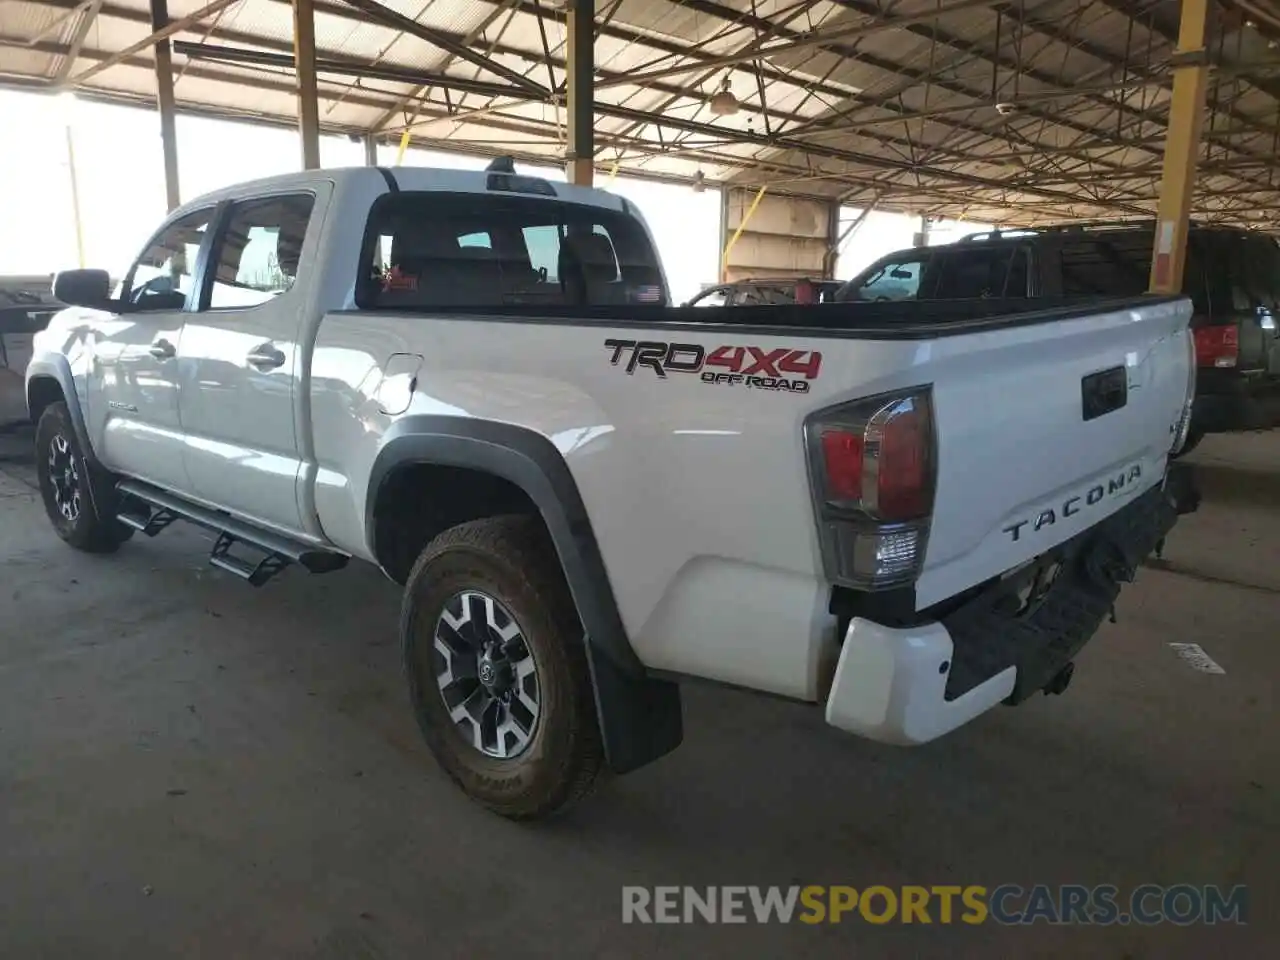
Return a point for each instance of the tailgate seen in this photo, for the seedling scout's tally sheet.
(1044, 430)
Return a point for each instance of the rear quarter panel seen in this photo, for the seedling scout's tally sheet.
(698, 493)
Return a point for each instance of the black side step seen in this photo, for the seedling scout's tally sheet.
(149, 510)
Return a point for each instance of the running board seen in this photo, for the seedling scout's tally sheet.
(149, 510)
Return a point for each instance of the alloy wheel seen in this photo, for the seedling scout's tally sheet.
(487, 674)
(64, 477)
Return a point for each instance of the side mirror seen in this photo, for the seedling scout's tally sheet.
(82, 288)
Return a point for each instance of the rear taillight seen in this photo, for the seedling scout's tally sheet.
(1217, 346)
(872, 464)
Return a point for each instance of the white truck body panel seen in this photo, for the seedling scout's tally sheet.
(662, 464)
(698, 493)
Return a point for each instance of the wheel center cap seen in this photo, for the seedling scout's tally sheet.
(495, 673)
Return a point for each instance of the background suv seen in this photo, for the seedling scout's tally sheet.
(1232, 277)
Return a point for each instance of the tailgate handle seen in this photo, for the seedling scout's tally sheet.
(1103, 392)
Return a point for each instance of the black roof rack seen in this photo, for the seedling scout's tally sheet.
(999, 234)
(1083, 226)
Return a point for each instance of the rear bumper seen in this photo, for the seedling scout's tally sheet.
(891, 685)
(911, 685)
(1245, 406)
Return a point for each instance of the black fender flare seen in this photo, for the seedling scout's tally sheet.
(56, 367)
(640, 715)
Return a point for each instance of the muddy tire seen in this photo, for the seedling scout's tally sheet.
(496, 668)
(73, 490)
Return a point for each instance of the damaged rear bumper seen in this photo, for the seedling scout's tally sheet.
(1013, 637)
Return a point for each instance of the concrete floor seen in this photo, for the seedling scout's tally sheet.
(191, 768)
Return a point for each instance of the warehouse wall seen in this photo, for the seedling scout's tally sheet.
(784, 237)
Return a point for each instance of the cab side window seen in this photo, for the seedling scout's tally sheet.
(896, 280)
(163, 277)
(256, 255)
(1115, 265)
(978, 272)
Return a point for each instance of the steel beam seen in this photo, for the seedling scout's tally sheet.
(304, 56)
(370, 149)
(1182, 149)
(580, 46)
(350, 68)
(99, 95)
(165, 103)
(389, 18)
(90, 13)
(746, 136)
(816, 38)
(156, 35)
(56, 25)
(472, 35)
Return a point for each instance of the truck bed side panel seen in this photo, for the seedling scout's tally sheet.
(698, 491)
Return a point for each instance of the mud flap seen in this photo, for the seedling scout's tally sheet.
(1180, 487)
(640, 717)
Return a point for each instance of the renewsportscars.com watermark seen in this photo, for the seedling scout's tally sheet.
(1007, 904)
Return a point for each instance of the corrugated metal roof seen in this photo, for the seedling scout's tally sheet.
(847, 107)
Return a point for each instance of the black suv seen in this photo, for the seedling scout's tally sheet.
(1232, 277)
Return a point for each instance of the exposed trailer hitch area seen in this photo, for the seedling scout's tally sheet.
(1038, 619)
(1061, 680)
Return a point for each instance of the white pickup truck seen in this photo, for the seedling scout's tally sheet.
(907, 512)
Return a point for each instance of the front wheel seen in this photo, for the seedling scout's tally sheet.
(65, 485)
(497, 670)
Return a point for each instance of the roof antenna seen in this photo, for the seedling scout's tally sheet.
(501, 165)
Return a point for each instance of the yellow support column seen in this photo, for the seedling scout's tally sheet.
(742, 225)
(304, 57)
(1181, 149)
(580, 84)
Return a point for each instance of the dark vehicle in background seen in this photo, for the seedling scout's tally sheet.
(26, 305)
(1232, 277)
(765, 292)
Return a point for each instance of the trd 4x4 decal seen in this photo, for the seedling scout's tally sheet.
(759, 368)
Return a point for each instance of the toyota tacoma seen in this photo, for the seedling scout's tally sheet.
(906, 512)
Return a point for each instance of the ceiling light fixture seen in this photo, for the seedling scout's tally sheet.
(724, 103)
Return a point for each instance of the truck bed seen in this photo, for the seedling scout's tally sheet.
(901, 320)
(687, 470)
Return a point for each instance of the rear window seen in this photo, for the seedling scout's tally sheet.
(1250, 264)
(765, 295)
(1119, 265)
(429, 250)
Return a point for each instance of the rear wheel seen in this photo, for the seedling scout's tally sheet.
(71, 487)
(496, 668)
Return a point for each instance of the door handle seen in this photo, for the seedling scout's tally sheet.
(266, 357)
(162, 350)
